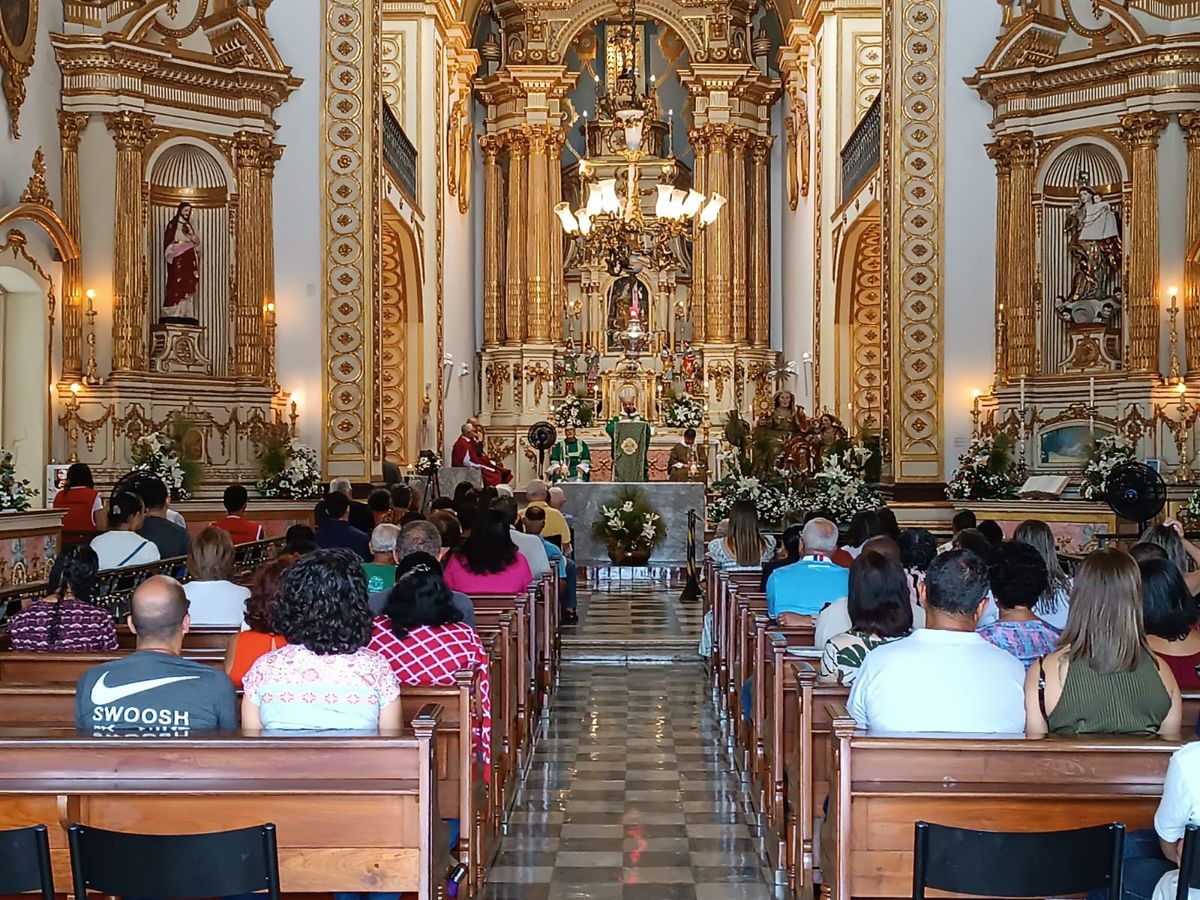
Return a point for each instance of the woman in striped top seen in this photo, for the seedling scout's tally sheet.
(66, 621)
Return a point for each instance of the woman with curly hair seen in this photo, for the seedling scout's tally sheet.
(488, 562)
(424, 639)
(258, 640)
(325, 678)
(66, 621)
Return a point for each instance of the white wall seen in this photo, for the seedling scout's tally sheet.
(969, 242)
(296, 28)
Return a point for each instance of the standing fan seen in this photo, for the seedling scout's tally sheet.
(1136, 492)
(542, 437)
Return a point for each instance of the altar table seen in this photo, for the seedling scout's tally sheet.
(672, 500)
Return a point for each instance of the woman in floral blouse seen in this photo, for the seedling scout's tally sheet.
(880, 612)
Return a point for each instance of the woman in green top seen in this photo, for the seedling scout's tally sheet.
(1103, 678)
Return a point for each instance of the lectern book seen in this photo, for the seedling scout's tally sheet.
(1044, 487)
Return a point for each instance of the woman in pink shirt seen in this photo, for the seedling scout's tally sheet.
(488, 562)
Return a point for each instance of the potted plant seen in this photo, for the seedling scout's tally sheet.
(289, 469)
(630, 527)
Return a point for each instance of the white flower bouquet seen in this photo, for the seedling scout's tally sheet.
(290, 470)
(162, 455)
(573, 410)
(839, 487)
(683, 411)
(630, 524)
(985, 471)
(15, 493)
(1108, 453)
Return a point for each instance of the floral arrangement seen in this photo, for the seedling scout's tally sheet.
(428, 462)
(162, 455)
(683, 411)
(1107, 453)
(15, 493)
(630, 523)
(1189, 513)
(775, 493)
(290, 469)
(840, 487)
(985, 471)
(573, 410)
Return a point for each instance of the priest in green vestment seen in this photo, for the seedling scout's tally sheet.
(630, 435)
(570, 460)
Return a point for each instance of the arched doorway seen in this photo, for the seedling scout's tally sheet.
(25, 369)
(400, 398)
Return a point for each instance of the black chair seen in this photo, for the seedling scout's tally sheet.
(1189, 862)
(25, 862)
(1018, 864)
(178, 866)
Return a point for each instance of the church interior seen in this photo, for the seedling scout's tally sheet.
(693, 306)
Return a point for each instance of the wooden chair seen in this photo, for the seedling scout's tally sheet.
(25, 862)
(1018, 864)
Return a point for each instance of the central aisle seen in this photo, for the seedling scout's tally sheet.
(630, 797)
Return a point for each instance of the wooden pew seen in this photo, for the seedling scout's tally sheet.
(725, 626)
(352, 813)
(807, 755)
(882, 785)
(525, 635)
(67, 667)
(498, 629)
(768, 688)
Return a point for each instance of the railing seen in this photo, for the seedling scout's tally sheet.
(860, 156)
(399, 154)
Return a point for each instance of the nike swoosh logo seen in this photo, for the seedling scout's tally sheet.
(102, 693)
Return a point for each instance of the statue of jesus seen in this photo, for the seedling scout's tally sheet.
(182, 248)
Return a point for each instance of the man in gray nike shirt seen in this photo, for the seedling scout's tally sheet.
(155, 690)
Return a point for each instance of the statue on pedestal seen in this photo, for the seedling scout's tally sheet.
(182, 248)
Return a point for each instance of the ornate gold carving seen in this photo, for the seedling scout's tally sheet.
(720, 373)
(1190, 122)
(736, 209)
(868, 71)
(251, 151)
(18, 41)
(35, 191)
(493, 242)
(913, 204)
(393, 349)
(1020, 151)
(539, 375)
(866, 330)
(439, 213)
(514, 330)
(818, 213)
(496, 375)
(131, 132)
(70, 126)
(760, 244)
(1142, 131)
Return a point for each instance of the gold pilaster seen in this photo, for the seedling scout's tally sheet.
(131, 133)
(271, 154)
(70, 125)
(1142, 131)
(515, 292)
(717, 286)
(1022, 149)
(699, 310)
(736, 209)
(558, 291)
(537, 238)
(1190, 122)
(760, 246)
(493, 242)
(248, 313)
(1000, 155)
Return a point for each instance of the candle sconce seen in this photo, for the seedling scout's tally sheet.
(91, 377)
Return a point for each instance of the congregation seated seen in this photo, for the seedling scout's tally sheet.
(85, 516)
(1104, 678)
(325, 678)
(1018, 579)
(448, 526)
(1170, 615)
(214, 599)
(991, 530)
(171, 539)
(381, 570)
(880, 612)
(943, 677)
(155, 690)
(1169, 536)
(336, 530)
(786, 553)
(537, 496)
(421, 538)
(241, 530)
(121, 546)
(864, 525)
(360, 513)
(743, 546)
(488, 562)
(423, 637)
(259, 637)
(813, 582)
(918, 548)
(835, 618)
(975, 541)
(406, 505)
(531, 545)
(298, 540)
(535, 523)
(65, 621)
(1052, 607)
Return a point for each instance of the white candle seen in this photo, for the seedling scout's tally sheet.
(1092, 392)
(1022, 392)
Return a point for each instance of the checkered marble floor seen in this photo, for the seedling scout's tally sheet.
(630, 797)
(645, 606)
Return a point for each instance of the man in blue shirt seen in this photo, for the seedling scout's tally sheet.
(805, 587)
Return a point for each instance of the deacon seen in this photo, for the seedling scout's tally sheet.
(688, 462)
(570, 460)
(468, 452)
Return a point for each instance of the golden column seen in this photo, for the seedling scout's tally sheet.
(717, 295)
(558, 291)
(493, 241)
(1019, 256)
(736, 209)
(70, 125)
(272, 153)
(131, 133)
(514, 332)
(1001, 156)
(251, 261)
(537, 237)
(760, 244)
(1190, 122)
(1142, 131)
(698, 306)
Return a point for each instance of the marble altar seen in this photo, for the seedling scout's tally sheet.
(671, 499)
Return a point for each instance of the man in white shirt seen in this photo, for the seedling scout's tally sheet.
(1180, 807)
(529, 544)
(944, 677)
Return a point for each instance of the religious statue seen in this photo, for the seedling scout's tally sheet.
(779, 435)
(625, 295)
(688, 461)
(591, 359)
(689, 365)
(667, 359)
(1094, 244)
(630, 435)
(570, 460)
(828, 434)
(182, 248)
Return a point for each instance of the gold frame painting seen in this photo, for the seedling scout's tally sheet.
(18, 39)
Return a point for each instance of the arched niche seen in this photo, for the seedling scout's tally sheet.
(26, 296)
(194, 173)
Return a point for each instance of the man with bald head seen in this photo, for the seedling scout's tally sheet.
(154, 690)
(805, 587)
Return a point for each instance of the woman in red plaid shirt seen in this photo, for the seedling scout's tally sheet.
(425, 641)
